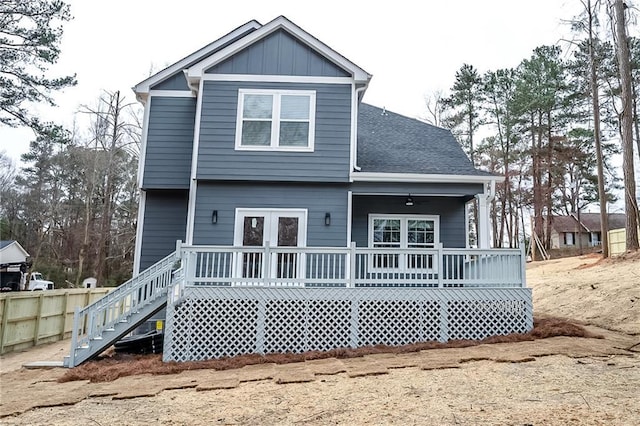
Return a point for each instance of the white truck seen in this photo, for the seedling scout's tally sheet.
(37, 282)
(14, 278)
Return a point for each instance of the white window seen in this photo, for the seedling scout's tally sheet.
(403, 232)
(569, 239)
(281, 120)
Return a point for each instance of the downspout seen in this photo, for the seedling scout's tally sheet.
(354, 129)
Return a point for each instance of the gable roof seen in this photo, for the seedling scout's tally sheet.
(392, 143)
(590, 222)
(142, 89)
(12, 251)
(196, 71)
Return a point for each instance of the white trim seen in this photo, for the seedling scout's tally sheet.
(191, 210)
(197, 70)
(143, 148)
(172, 93)
(276, 120)
(413, 194)
(264, 78)
(355, 107)
(421, 178)
(404, 218)
(144, 86)
(349, 216)
(137, 254)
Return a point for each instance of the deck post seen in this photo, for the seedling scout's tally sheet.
(351, 267)
(266, 262)
(440, 266)
(523, 267)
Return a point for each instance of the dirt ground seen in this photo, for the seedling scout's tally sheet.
(560, 380)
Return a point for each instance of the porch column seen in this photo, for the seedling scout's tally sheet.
(483, 223)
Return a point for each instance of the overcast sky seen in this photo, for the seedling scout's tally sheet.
(411, 48)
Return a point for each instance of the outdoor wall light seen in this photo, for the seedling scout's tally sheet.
(214, 217)
(327, 218)
(409, 201)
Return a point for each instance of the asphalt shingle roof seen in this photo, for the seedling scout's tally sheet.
(5, 243)
(392, 143)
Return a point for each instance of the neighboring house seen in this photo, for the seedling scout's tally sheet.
(296, 203)
(568, 232)
(12, 252)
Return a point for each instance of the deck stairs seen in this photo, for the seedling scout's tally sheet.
(99, 325)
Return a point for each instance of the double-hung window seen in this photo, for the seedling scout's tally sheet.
(280, 120)
(397, 232)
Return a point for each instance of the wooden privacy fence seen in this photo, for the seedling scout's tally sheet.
(617, 241)
(30, 318)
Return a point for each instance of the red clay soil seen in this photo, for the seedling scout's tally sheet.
(110, 368)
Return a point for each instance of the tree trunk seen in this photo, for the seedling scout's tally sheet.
(626, 122)
(595, 100)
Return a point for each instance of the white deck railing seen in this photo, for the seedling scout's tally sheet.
(350, 267)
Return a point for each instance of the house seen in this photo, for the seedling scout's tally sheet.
(12, 252)
(569, 232)
(306, 219)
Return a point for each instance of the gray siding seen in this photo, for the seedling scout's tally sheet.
(226, 197)
(165, 221)
(175, 82)
(218, 159)
(169, 143)
(279, 54)
(450, 210)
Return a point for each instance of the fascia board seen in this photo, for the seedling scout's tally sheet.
(197, 70)
(141, 89)
(422, 178)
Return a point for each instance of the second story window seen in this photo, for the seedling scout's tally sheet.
(282, 120)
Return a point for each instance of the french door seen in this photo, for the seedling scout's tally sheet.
(258, 228)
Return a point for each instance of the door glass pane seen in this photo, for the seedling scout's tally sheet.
(252, 235)
(287, 237)
(287, 231)
(253, 231)
(257, 106)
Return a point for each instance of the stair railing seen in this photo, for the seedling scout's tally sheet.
(120, 304)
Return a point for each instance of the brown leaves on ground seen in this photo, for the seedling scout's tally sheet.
(120, 365)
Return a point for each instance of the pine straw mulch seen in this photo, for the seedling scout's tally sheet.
(109, 368)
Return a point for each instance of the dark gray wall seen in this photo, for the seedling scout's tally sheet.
(218, 159)
(165, 221)
(169, 142)
(450, 210)
(226, 197)
(278, 54)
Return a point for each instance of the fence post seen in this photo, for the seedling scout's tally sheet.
(74, 337)
(36, 331)
(65, 305)
(5, 320)
(352, 265)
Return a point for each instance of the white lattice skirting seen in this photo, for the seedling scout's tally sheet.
(214, 322)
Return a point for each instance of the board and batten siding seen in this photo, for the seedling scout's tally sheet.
(279, 53)
(165, 221)
(226, 197)
(169, 144)
(329, 162)
(450, 210)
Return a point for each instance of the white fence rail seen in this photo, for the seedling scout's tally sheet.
(351, 267)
